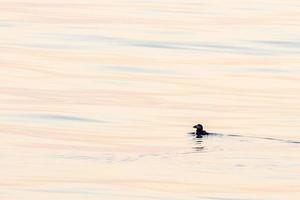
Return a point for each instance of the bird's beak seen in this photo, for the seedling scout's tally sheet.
(195, 126)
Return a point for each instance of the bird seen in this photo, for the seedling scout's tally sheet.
(199, 131)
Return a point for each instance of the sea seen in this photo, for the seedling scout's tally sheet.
(98, 99)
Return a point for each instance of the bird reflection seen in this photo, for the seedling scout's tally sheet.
(198, 145)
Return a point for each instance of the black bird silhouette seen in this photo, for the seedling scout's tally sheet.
(199, 131)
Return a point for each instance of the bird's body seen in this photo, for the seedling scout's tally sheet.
(199, 131)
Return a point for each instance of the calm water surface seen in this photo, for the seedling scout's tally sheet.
(97, 98)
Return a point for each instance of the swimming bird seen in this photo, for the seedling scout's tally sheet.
(199, 131)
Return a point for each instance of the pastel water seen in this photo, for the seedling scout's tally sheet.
(97, 98)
